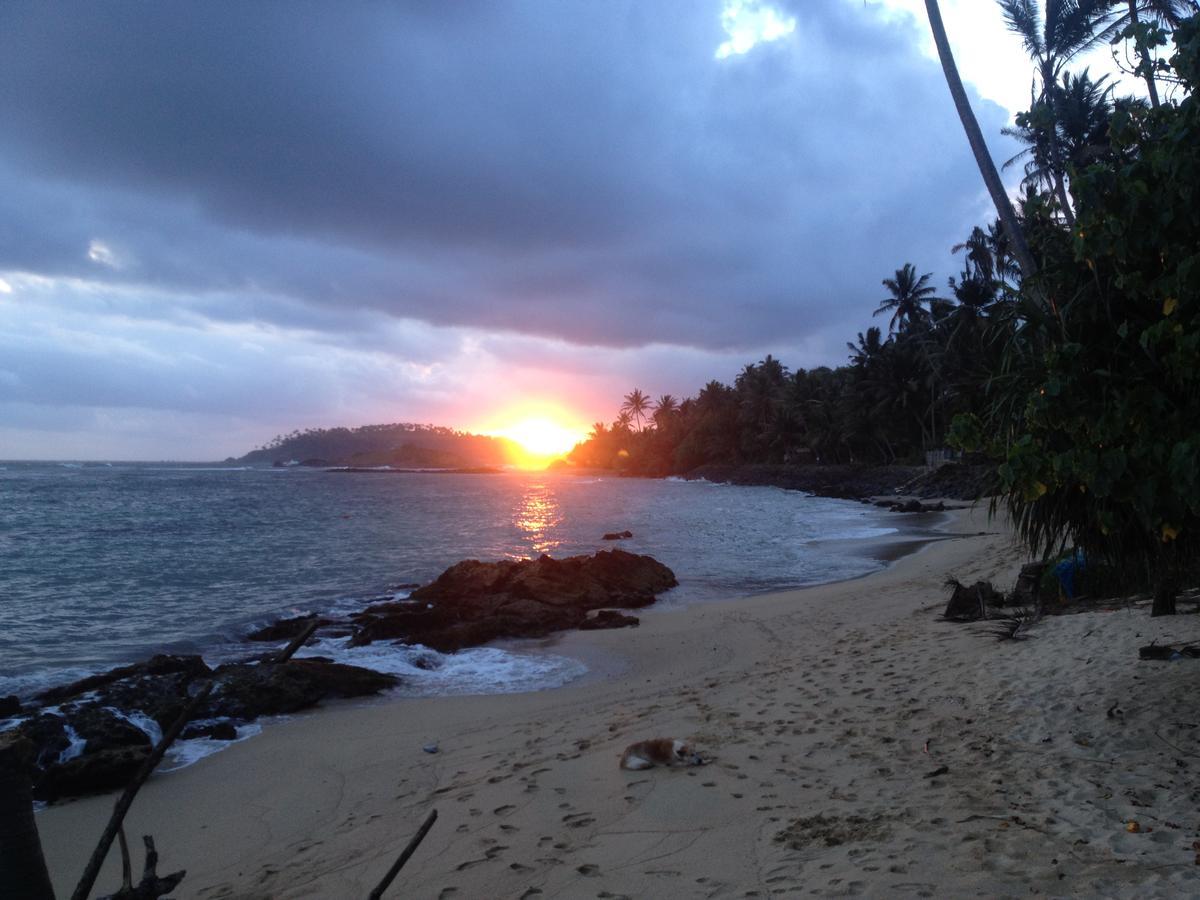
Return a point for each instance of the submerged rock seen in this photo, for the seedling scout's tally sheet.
(285, 629)
(474, 602)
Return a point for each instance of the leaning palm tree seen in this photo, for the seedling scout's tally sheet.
(987, 168)
(909, 298)
(637, 405)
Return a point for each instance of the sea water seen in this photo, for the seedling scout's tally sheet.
(105, 565)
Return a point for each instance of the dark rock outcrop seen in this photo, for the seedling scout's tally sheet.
(217, 731)
(284, 629)
(108, 749)
(9, 706)
(248, 691)
(161, 664)
(91, 773)
(617, 535)
(609, 618)
(474, 602)
(845, 482)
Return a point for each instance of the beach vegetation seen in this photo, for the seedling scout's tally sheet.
(1094, 409)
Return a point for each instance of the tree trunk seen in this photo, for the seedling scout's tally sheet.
(1143, 55)
(983, 159)
(23, 872)
(1164, 599)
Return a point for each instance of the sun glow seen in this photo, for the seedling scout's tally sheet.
(541, 436)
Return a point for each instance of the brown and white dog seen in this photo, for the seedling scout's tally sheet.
(659, 752)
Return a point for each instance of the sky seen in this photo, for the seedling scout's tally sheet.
(224, 221)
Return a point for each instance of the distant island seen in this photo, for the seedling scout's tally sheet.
(399, 445)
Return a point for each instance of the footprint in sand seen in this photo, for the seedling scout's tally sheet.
(578, 820)
(587, 869)
(503, 810)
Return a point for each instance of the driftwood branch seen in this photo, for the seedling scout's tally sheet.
(126, 867)
(403, 858)
(297, 642)
(151, 887)
(123, 803)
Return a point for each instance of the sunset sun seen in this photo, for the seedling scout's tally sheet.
(540, 436)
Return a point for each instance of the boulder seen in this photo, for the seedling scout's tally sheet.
(609, 618)
(47, 734)
(217, 731)
(158, 665)
(617, 535)
(104, 730)
(9, 706)
(474, 602)
(246, 692)
(90, 773)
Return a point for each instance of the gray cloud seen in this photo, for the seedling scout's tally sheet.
(383, 176)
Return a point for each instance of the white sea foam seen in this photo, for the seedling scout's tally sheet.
(184, 753)
(858, 534)
(478, 670)
(75, 746)
(140, 721)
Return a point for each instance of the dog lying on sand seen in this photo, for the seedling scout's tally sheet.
(659, 752)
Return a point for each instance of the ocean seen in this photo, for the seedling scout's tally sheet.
(102, 565)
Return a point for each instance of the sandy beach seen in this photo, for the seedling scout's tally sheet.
(859, 746)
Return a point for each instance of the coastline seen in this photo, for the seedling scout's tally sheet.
(826, 712)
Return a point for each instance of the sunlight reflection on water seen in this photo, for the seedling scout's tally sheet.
(538, 516)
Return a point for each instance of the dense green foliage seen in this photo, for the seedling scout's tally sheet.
(399, 443)
(1099, 434)
(890, 403)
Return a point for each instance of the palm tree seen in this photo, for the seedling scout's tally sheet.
(666, 407)
(867, 350)
(1052, 38)
(987, 168)
(1080, 129)
(909, 295)
(637, 405)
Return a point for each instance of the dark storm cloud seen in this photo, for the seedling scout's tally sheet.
(578, 171)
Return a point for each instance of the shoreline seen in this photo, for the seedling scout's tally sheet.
(858, 744)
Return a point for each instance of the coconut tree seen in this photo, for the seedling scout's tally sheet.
(868, 349)
(1082, 110)
(1053, 37)
(987, 168)
(909, 297)
(664, 409)
(637, 405)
